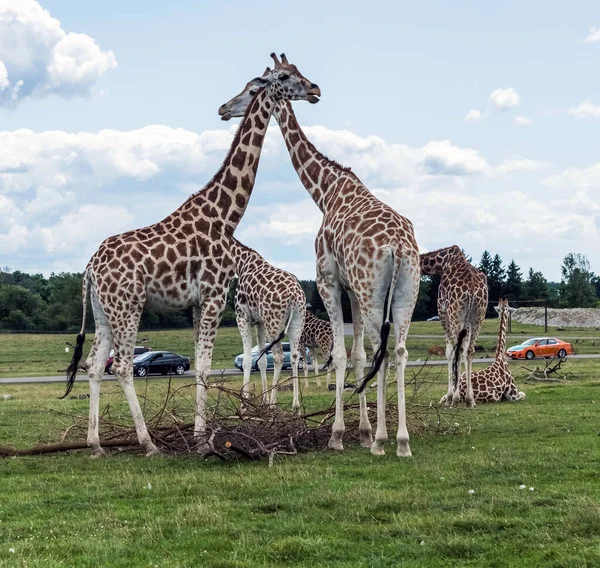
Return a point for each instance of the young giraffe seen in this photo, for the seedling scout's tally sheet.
(366, 248)
(181, 261)
(462, 303)
(494, 383)
(273, 300)
(317, 334)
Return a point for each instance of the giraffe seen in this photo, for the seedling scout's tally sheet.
(462, 303)
(494, 383)
(181, 261)
(366, 248)
(273, 300)
(318, 335)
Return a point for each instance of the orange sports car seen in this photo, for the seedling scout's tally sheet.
(540, 347)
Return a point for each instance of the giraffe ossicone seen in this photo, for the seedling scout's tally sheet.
(181, 261)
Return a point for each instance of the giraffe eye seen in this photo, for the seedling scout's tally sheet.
(284, 77)
(253, 91)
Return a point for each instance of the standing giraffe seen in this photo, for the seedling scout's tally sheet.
(273, 300)
(317, 334)
(181, 261)
(364, 247)
(462, 303)
(494, 383)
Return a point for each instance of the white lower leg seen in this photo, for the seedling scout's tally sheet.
(403, 448)
(93, 437)
(138, 418)
(377, 448)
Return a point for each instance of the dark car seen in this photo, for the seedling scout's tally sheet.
(160, 363)
(138, 350)
(287, 363)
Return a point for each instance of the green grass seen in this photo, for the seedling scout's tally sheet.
(40, 355)
(322, 509)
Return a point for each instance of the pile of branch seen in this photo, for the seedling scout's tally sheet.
(240, 426)
(552, 372)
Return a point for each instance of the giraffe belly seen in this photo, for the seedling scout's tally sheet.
(170, 299)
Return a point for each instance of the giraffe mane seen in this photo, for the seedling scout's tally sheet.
(233, 145)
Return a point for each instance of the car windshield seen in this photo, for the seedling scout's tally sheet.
(144, 356)
(529, 342)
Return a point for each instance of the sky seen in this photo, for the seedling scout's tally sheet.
(480, 122)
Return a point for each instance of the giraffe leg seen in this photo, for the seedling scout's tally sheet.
(294, 333)
(402, 314)
(95, 365)
(245, 329)
(359, 362)
(124, 341)
(331, 294)
(277, 365)
(372, 322)
(447, 398)
(469, 396)
(262, 362)
(206, 323)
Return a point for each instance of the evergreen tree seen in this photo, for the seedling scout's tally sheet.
(535, 287)
(485, 264)
(496, 278)
(514, 281)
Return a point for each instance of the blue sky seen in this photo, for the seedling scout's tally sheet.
(125, 127)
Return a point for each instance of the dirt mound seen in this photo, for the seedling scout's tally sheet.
(575, 317)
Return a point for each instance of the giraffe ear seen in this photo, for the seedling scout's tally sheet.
(259, 82)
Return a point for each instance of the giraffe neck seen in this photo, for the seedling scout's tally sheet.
(323, 178)
(226, 196)
(501, 347)
(435, 263)
(244, 256)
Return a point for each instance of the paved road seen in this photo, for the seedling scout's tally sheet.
(216, 373)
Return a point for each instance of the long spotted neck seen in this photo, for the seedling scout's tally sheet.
(243, 256)
(226, 197)
(435, 263)
(501, 347)
(323, 178)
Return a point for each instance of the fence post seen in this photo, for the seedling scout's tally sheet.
(546, 317)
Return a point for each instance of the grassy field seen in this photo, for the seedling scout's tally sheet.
(40, 355)
(322, 509)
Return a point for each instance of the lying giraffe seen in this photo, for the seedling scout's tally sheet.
(181, 261)
(317, 334)
(364, 247)
(462, 303)
(494, 383)
(273, 300)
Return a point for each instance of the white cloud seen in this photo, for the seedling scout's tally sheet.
(593, 35)
(586, 109)
(38, 58)
(475, 116)
(519, 165)
(441, 157)
(522, 121)
(576, 178)
(504, 99)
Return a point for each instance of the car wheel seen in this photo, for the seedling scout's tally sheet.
(562, 353)
(141, 371)
(529, 355)
(109, 370)
(180, 369)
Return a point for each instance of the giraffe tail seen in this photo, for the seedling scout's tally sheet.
(381, 352)
(456, 358)
(278, 338)
(78, 351)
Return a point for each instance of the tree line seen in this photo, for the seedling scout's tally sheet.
(34, 302)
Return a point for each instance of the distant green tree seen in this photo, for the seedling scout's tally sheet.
(578, 288)
(485, 264)
(20, 308)
(535, 287)
(514, 281)
(422, 307)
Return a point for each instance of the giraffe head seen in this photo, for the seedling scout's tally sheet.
(284, 81)
(503, 305)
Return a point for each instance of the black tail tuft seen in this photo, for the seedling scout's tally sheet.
(326, 366)
(382, 349)
(72, 368)
(270, 346)
(456, 358)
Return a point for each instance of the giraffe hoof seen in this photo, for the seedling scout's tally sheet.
(470, 404)
(366, 438)
(98, 453)
(377, 448)
(403, 450)
(152, 451)
(335, 445)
